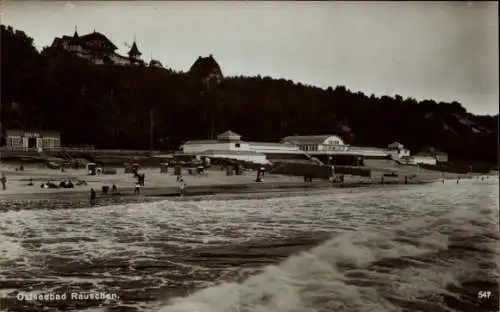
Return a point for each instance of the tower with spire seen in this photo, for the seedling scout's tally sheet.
(134, 54)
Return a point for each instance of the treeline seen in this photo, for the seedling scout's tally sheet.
(109, 107)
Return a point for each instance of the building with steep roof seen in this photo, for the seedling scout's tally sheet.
(135, 55)
(207, 70)
(97, 48)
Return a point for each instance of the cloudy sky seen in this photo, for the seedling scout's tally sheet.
(437, 50)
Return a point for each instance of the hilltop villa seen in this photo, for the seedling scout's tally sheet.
(100, 50)
(97, 48)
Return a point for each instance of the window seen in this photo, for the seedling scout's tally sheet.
(237, 145)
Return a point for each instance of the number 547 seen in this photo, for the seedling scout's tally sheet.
(482, 294)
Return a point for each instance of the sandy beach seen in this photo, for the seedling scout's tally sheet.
(215, 181)
(17, 181)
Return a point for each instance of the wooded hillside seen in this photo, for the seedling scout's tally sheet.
(109, 106)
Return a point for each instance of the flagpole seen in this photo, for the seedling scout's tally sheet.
(1, 131)
(151, 129)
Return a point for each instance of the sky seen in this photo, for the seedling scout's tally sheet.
(445, 51)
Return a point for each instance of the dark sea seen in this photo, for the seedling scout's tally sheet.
(430, 248)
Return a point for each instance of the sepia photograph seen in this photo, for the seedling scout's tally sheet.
(249, 156)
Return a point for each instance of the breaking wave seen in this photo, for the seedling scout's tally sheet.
(405, 248)
(412, 266)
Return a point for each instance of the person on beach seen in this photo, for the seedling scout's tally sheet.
(114, 189)
(3, 180)
(137, 189)
(180, 178)
(332, 178)
(182, 186)
(259, 176)
(105, 189)
(92, 196)
(140, 178)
